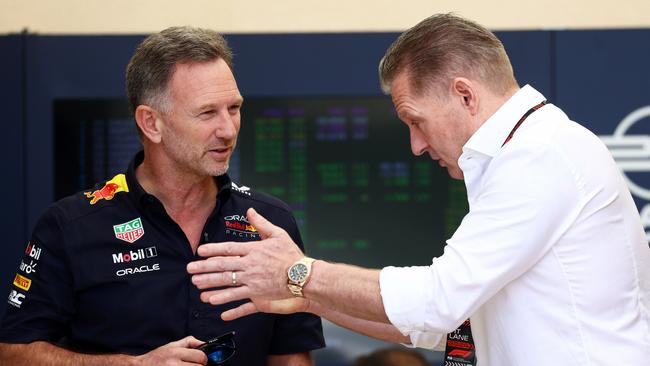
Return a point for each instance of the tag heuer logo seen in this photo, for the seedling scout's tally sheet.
(129, 231)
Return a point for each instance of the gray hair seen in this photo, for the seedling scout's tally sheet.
(445, 46)
(154, 61)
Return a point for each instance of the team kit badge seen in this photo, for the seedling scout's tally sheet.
(129, 231)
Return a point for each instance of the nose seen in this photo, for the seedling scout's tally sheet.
(227, 126)
(418, 143)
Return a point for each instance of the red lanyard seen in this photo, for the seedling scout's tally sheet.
(522, 119)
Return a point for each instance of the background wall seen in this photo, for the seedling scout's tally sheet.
(599, 77)
(244, 16)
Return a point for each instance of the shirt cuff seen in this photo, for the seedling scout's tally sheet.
(404, 293)
(431, 341)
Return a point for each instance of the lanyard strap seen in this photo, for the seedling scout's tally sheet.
(522, 119)
(460, 347)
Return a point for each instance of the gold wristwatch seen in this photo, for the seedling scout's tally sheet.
(298, 275)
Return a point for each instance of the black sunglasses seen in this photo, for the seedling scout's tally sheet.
(220, 349)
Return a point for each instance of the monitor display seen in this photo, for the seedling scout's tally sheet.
(343, 164)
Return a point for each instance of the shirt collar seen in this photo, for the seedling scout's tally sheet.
(142, 198)
(489, 138)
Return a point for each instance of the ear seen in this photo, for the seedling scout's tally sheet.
(148, 119)
(466, 91)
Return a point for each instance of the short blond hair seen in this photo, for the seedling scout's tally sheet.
(445, 46)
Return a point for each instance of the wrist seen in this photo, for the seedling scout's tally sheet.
(311, 287)
(314, 307)
(298, 275)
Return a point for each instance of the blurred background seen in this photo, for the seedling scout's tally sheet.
(316, 129)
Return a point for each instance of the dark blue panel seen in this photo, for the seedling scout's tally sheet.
(603, 75)
(346, 64)
(603, 78)
(12, 222)
(309, 64)
(531, 53)
(65, 67)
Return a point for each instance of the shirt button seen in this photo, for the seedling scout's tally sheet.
(195, 314)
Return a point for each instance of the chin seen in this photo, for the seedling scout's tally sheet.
(456, 173)
(220, 170)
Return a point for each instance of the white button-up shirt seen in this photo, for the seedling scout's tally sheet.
(551, 263)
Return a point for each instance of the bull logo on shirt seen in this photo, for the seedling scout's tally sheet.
(108, 191)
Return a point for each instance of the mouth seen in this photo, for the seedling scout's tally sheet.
(220, 153)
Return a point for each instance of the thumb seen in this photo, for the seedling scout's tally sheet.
(262, 225)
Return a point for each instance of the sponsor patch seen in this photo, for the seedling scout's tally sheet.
(22, 282)
(136, 270)
(243, 189)
(28, 268)
(33, 251)
(16, 298)
(108, 191)
(237, 225)
(134, 255)
(129, 231)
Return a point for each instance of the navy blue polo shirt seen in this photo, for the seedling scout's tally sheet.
(105, 272)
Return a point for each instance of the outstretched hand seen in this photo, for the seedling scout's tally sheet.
(260, 268)
(285, 306)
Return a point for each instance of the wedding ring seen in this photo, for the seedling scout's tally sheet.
(234, 278)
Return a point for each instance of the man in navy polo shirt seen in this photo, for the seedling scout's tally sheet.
(103, 280)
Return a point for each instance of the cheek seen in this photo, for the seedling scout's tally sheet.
(237, 123)
(429, 135)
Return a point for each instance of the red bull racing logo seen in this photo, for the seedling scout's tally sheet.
(237, 225)
(108, 191)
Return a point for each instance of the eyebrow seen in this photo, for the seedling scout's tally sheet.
(237, 100)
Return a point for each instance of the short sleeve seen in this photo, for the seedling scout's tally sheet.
(296, 333)
(40, 301)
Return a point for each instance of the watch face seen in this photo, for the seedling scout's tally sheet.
(298, 272)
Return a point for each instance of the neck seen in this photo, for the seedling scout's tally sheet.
(492, 103)
(178, 190)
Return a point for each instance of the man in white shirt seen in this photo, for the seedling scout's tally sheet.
(551, 264)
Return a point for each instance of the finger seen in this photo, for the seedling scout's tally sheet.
(219, 297)
(183, 342)
(193, 356)
(240, 311)
(263, 226)
(216, 279)
(192, 342)
(215, 264)
(225, 249)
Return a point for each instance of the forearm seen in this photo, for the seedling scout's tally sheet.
(346, 289)
(378, 330)
(46, 354)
